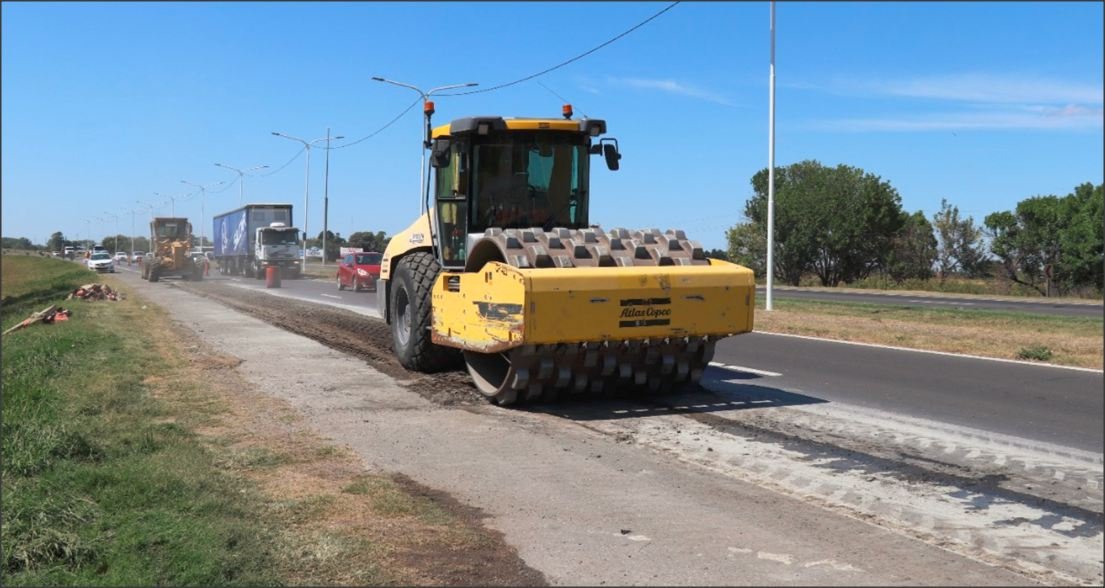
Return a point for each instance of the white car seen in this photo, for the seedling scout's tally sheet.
(138, 255)
(120, 257)
(101, 262)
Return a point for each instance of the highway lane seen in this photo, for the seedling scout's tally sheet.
(1029, 305)
(1048, 404)
(306, 289)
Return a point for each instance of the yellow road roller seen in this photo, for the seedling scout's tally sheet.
(505, 272)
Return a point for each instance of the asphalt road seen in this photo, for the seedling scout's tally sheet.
(1029, 305)
(1053, 405)
(1047, 404)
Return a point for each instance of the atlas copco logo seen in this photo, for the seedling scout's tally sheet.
(646, 312)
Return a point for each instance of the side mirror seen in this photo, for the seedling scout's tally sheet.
(610, 152)
(440, 154)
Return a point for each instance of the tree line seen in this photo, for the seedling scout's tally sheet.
(842, 224)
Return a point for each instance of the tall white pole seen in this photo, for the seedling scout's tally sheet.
(306, 191)
(203, 213)
(771, 170)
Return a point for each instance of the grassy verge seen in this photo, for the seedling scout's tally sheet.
(314, 269)
(134, 455)
(1074, 341)
(98, 488)
(985, 287)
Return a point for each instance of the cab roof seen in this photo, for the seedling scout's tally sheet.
(472, 125)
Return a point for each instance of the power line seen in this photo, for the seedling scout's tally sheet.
(563, 63)
(379, 130)
(563, 99)
(286, 163)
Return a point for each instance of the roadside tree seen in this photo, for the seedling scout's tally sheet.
(370, 241)
(56, 242)
(838, 223)
(913, 250)
(959, 245)
(1052, 244)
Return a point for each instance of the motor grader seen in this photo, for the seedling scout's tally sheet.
(170, 244)
(504, 271)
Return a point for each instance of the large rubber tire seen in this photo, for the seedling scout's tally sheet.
(340, 285)
(411, 316)
(197, 273)
(155, 273)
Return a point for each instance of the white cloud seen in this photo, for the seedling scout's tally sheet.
(1070, 117)
(987, 88)
(674, 87)
(986, 102)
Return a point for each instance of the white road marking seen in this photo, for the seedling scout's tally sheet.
(948, 353)
(739, 368)
(330, 296)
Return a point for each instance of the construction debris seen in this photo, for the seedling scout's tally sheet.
(96, 292)
(48, 315)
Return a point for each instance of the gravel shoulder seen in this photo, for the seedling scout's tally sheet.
(582, 504)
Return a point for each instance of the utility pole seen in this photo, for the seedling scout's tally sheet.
(242, 179)
(326, 195)
(307, 186)
(116, 217)
(771, 171)
(428, 111)
(203, 205)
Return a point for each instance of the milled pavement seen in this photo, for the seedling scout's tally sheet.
(580, 506)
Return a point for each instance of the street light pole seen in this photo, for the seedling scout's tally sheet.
(306, 188)
(326, 194)
(116, 217)
(771, 171)
(143, 206)
(203, 204)
(242, 179)
(428, 110)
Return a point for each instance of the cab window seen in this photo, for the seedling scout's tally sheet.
(451, 189)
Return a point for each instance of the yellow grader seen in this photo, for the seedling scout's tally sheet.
(505, 271)
(170, 242)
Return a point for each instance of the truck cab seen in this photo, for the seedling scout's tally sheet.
(278, 245)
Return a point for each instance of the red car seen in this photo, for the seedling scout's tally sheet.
(359, 271)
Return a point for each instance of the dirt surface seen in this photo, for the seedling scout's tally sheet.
(338, 521)
(357, 335)
(691, 473)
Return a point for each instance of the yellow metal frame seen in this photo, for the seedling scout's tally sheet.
(502, 307)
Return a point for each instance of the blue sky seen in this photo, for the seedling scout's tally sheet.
(105, 104)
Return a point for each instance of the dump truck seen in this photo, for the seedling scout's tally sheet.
(249, 239)
(504, 272)
(170, 241)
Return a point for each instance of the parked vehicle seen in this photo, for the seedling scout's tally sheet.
(254, 237)
(120, 257)
(359, 271)
(138, 255)
(100, 261)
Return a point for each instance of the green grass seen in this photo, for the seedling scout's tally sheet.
(97, 489)
(1067, 340)
(25, 280)
(932, 314)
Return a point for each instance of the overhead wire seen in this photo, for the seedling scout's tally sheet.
(379, 130)
(286, 164)
(569, 61)
(470, 92)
